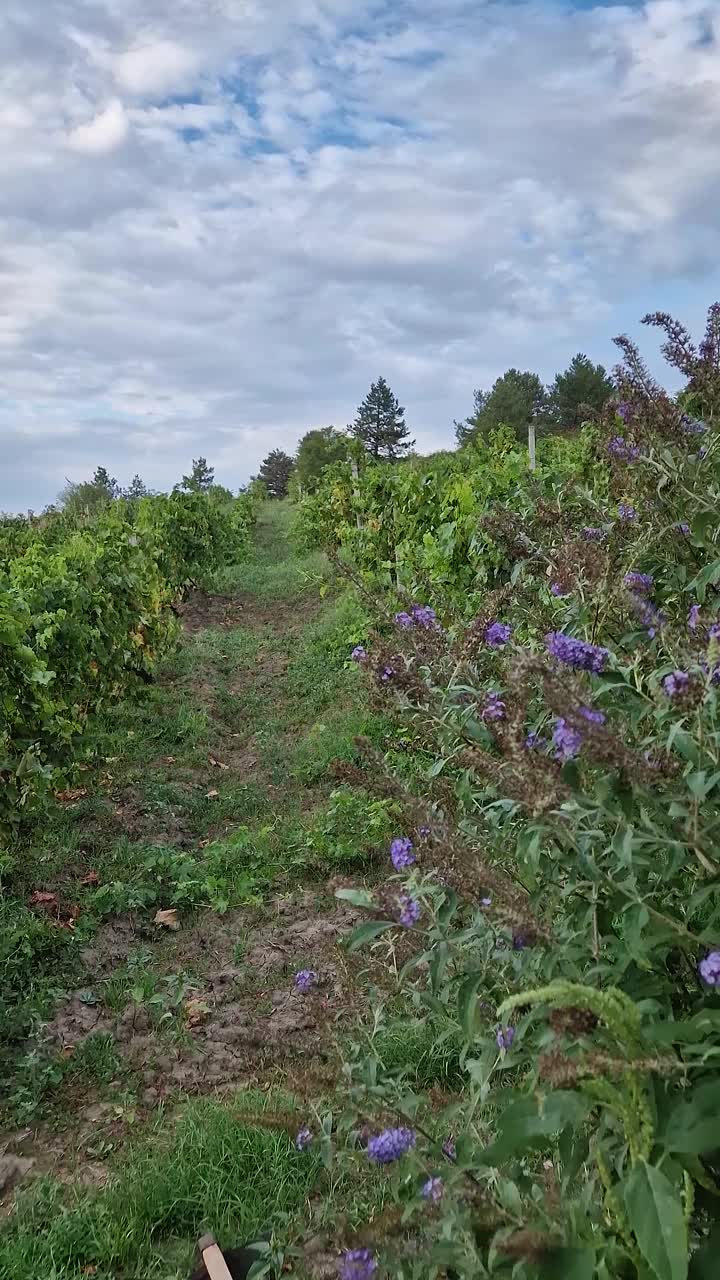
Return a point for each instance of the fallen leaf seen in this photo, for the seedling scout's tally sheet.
(211, 795)
(167, 918)
(169, 759)
(92, 877)
(218, 764)
(203, 844)
(40, 899)
(71, 795)
(196, 1011)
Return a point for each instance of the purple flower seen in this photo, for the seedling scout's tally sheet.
(359, 654)
(625, 411)
(449, 1149)
(505, 1038)
(626, 512)
(640, 582)
(497, 634)
(304, 1139)
(305, 980)
(676, 683)
(710, 969)
(595, 717)
(648, 613)
(714, 631)
(535, 742)
(410, 911)
(404, 620)
(683, 527)
(401, 852)
(433, 1190)
(576, 653)
(566, 740)
(386, 674)
(357, 1264)
(592, 535)
(519, 944)
(557, 589)
(692, 426)
(494, 708)
(424, 615)
(424, 832)
(619, 447)
(694, 616)
(486, 902)
(390, 1145)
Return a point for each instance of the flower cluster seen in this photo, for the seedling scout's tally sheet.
(640, 582)
(626, 512)
(505, 1037)
(625, 411)
(410, 911)
(676, 683)
(305, 980)
(357, 1264)
(566, 740)
(387, 674)
(494, 708)
(648, 613)
(497, 634)
(401, 852)
(304, 1138)
(390, 1145)
(591, 534)
(575, 653)
(359, 654)
(694, 617)
(557, 589)
(404, 620)
(692, 426)
(620, 448)
(709, 969)
(433, 1190)
(420, 615)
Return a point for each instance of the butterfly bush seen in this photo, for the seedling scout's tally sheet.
(564, 955)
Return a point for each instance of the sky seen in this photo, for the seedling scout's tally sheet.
(220, 220)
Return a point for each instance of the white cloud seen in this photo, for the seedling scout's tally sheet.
(260, 207)
(105, 132)
(155, 67)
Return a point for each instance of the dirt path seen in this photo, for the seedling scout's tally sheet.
(215, 803)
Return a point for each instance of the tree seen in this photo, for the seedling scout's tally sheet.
(583, 384)
(85, 496)
(516, 397)
(316, 451)
(201, 477)
(137, 488)
(275, 473)
(104, 480)
(380, 423)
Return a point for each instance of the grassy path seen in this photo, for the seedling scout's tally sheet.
(136, 1042)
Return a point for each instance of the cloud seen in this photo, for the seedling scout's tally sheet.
(222, 218)
(105, 132)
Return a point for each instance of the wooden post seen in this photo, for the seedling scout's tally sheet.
(215, 1264)
(356, 491)
(531, 443)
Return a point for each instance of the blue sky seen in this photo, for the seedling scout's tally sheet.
(221, 219)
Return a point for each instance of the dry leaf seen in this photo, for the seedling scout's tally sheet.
(169, 759)
(196, 1011)
(40, 899)
(92, 877)
(167, 918)
(211, 795)
(218, 764)
(70, 796)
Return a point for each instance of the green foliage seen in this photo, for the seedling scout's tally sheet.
(514, 400)
(83, 609)
(201, 478)
(275, 473)
(380, 424)
(568, 882)
(583, 385)
(316, 451)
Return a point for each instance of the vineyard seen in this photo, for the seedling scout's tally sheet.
(361, 864)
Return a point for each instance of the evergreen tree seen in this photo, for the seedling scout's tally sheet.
(104, 480)
(380, 423)
(136, 488)
(201, 477)
(515, 399)
(275, 473)
(316, 451)
(582, 386)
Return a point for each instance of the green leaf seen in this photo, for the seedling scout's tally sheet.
(358, 897)
(568, 1264)
(529, 1122)
(656, 1216)
(694, 1124)
(366, 933)
(467, 1003)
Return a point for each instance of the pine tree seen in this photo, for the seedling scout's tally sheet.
(137, 488)
(275, 473)
(380, 423)
(582, 386)
(201, 477)
(104, 480)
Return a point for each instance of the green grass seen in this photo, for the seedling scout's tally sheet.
(203, 1170)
